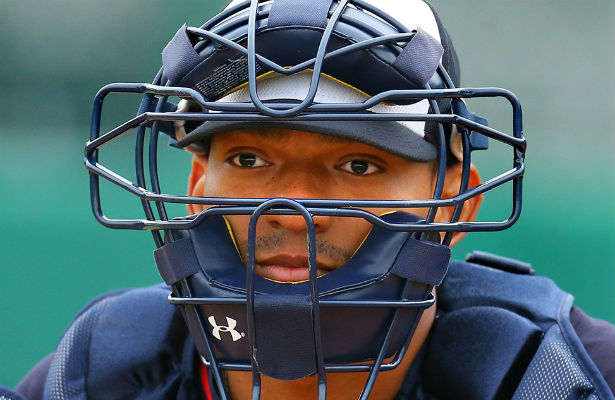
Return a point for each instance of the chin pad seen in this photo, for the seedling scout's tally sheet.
(389, 266)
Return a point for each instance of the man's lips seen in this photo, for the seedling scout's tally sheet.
(288, 268)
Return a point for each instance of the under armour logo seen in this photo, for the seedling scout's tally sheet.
(221, 328)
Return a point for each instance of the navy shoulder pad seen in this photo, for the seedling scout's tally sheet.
(8, 394)
(123, 343)
(492, 315)
(499, 262)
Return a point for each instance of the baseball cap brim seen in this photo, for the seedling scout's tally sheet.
(405, 139)
(384, 135)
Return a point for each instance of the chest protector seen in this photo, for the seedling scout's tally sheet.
(503, 333)
(498, 335)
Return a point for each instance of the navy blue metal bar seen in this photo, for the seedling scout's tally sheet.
(247, 202)
(100, 170)
(463, 186)
(435, 227)
(518, 143)
(428, 302)
(445, 227)
(467, 162)
(97, 141)
(153, 165)
(373, 373)
(312, 268)
(221, 23)
(149, 214)
(442, 158)
(320, 53)
(328, 367)
(184, 289)
(147, 209)
(256, 377)
(387, 96)
(395, 38)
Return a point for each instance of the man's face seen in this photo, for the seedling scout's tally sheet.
(294, 164)
(299, 165)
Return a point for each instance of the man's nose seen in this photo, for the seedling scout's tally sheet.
(297, 224)
(300, 183)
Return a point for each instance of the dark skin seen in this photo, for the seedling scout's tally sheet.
(294, 164)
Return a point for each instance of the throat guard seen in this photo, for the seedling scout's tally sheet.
(387, 282)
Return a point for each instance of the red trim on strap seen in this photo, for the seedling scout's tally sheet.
(205, 381)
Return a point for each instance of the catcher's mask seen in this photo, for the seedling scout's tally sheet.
(344, 68)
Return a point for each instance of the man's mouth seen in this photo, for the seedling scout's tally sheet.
(287, 268)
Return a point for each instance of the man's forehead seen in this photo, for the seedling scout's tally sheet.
(280, 135)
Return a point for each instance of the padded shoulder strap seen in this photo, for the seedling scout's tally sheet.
(130, 345)
(471, 285)
(68, 369)
(490, 324)
(557, 373)
(501, 334)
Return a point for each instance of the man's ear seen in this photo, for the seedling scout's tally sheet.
(196, 181)
(451, 189)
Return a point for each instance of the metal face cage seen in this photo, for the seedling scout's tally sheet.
(154, 199)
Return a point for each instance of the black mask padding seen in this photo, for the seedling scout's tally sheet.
(283, 311)
(285, 339)
(222, 69)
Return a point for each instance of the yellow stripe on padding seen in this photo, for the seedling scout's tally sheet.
(230, 231)
(232, 235)
(266, 74)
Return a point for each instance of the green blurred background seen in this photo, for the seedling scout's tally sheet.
(557, 56)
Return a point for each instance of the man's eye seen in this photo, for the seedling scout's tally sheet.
(360, 167)
(248, 160)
